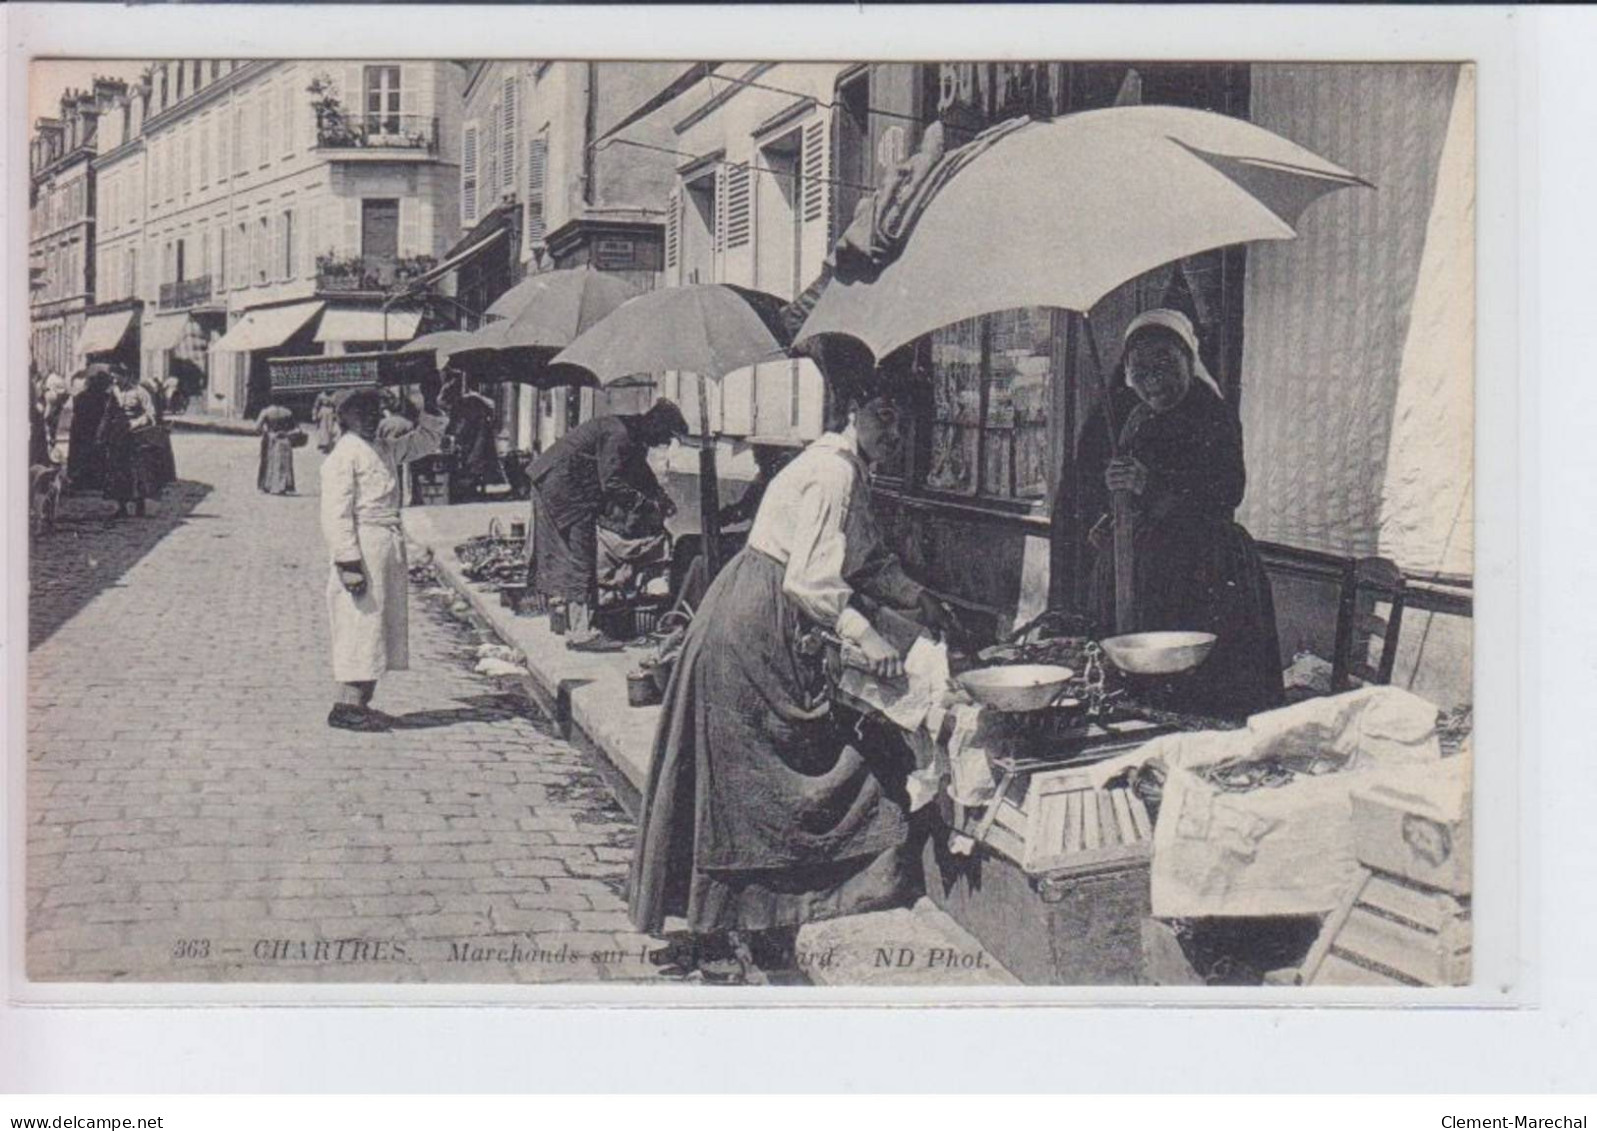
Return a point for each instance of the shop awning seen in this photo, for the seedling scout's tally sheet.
(461, 256)
(264, 329)
(166, 333)
(368, 326)
(102, 333)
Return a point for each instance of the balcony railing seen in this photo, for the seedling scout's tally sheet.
(186, 293)
(369, 272)
(414, 133)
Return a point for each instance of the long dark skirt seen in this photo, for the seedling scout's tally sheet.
(132, 467)
(1198, 574)
(759, 810)
(276, 474)
(564, 561)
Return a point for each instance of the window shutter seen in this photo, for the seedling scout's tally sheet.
(673, 236)
(488, 187)
(468, 176)
(537, 177)
(507, 160)
(719, 216)
(815, 186)
(737, 206)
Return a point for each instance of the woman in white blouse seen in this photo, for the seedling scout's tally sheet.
(760, 814)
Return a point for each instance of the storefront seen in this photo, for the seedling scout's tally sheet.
(111, 336)
(241, 381)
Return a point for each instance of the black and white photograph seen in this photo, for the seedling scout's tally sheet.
(941, 526)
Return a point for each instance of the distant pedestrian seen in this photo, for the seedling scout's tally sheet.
(91, 395)
(368, 584)
(132, 467)
(279, 437)
(325, 416)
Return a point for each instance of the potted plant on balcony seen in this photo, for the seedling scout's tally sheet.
(408, 267)
(333, 127)
(336, 272)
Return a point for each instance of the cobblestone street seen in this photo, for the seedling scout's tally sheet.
(192, 818)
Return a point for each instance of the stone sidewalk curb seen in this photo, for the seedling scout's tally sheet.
(204, 424)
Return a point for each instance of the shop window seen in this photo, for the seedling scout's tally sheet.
(991, 385)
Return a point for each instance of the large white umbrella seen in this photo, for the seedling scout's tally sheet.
(1059, 213)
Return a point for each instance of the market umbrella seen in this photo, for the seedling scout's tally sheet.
(708, 329)
(1059, 213)
(537, 318)
(444, 343)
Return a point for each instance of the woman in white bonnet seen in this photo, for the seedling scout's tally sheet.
(1196, 569)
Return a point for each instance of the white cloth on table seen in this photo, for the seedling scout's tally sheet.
(1286, 849)
(816, 520)
(360, 520)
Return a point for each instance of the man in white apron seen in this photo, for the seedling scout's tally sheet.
(368, 583)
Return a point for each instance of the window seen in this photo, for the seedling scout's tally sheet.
(776, 221)
(286, 231)
(259, 253)
(130, 264)
(990, 405)
(700, 233)
(264, 121)
(170, 159)
(237, 143)
(241, 256)
(382, 100)
(286, 125)
(179, 80)
(854, 151)
(216, 69)
(186, 168)
(203, 266)
(468, 176)
(195, 83)
(163, 88)
(178, 264)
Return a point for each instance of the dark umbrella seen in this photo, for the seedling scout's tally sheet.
(537, 318)
(708, 329)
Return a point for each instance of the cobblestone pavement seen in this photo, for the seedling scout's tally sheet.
(192, 818)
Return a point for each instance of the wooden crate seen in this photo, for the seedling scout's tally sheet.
(1390, 932)
(1057, 889)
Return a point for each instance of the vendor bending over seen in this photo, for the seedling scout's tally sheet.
(368, 587)
(758, 815)
(598, 468)
(1195, 568)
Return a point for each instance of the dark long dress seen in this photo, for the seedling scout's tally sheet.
(589, 469)
(85, 455)
(761, 810)
(275, 472)
(125, 481)
(476, 452)
(1196, 569)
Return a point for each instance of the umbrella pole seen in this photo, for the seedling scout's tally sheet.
(709, 487)
(1122, 517)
